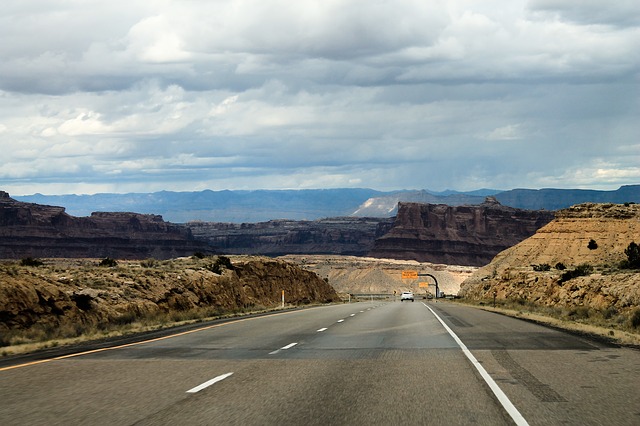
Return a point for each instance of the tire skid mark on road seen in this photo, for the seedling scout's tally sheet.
(540, 390)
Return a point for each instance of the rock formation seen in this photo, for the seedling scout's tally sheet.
(34, 230)
(72, 296)
(457, 235)
(340, 235)
(590, 238)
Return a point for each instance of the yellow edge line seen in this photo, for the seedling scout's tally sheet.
(42, 361)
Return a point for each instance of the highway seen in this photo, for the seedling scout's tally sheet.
(376, 362)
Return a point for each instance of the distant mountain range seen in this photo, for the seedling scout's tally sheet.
(312, 204)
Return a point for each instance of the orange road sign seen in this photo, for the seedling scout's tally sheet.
(409, 274)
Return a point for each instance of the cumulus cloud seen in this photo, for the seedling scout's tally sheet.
(137, 96)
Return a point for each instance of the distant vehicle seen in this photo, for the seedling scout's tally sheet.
(406, 295)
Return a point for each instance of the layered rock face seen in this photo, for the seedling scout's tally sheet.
(341, 235)
(66, 296)
(457, 235)
(588, 234)
(34, 230)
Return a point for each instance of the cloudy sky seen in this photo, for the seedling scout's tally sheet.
(142, 96)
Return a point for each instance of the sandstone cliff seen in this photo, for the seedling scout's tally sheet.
(457, 235)
(65, 298)
(588, 234)
(34, 230)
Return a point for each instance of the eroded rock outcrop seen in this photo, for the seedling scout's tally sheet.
(72, 296)
(457, 235)
(34, 230)
(590, 238)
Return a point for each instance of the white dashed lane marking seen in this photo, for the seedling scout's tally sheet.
(284, 348)
(208, 383)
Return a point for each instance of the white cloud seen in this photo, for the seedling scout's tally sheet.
(505, 133)
(273, 94)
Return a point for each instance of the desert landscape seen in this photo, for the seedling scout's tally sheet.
(576, 269)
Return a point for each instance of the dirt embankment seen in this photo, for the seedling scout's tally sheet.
(66, 298)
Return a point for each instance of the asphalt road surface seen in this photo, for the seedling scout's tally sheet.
(381, 363)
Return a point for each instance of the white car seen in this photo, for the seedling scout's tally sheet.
(406, 295)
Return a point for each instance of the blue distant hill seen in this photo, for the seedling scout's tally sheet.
(312, 204)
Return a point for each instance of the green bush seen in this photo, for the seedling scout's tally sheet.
(221, 263)
(148, 263)
(580, 270)
(592, 244)
(29, 261)
(560, 266)
(108, 262)
(541, 268)
(635, 318)
(633, 256)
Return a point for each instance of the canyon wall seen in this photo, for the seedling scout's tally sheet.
(340, 235)
(35, 230)
(457, 235)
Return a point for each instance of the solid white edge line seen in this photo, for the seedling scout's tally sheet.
(504, 400)
(209, 383)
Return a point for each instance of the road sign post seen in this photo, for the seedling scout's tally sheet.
(412, 275)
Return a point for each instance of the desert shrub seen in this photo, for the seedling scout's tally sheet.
(610, 312)
(108, 262)
(148, 263)
(124, 318)
(11, 270)
(592, 244)
(580, 271)
(560, 266)
(29, 261)
(541, 268)
(579, 312)
(221, 263)
(633, 256)
(635, 318)
(199, 255)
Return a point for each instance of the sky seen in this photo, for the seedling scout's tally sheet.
(144, 96)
